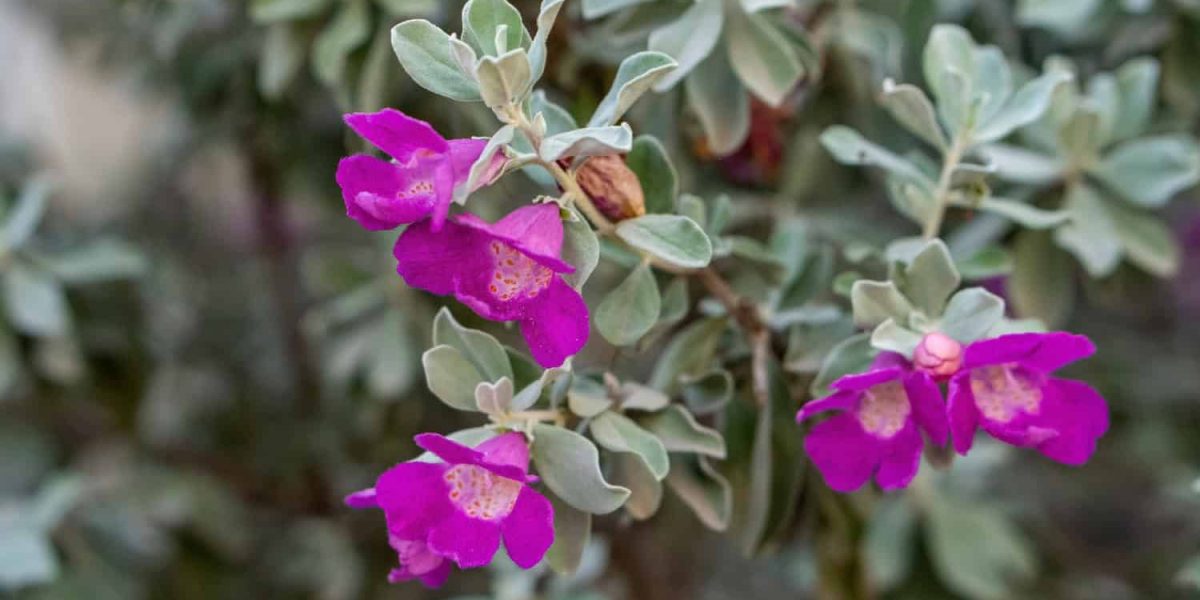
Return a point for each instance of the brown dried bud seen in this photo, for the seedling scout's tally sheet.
(613, 187)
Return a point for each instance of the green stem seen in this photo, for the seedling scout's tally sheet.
(517, 118)
(530, 417)
(941, 195)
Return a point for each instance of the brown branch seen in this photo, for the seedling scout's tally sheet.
(748, 317)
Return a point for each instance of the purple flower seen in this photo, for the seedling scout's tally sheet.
(876, 430)
(420, 181)
(506, 271)
(1005, 386)
(459, 509)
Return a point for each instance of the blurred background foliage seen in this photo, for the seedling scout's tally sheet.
(199, 354)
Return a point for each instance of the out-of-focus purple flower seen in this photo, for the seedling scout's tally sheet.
(1005, 387)
(876, 431)
(1187, 282)
(998, 285)
(938, 354)
(758, 161)
(504, 271)
(419, 183)
(458, 510)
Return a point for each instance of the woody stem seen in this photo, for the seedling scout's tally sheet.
(751, 322)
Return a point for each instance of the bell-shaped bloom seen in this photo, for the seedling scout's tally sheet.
(504, 271)
(877, 428)
(1005, 387)
(459, 509)
(420, 181)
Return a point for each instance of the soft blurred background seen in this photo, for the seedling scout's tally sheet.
(199, 354)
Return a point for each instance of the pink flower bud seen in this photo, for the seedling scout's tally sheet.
(938, 354)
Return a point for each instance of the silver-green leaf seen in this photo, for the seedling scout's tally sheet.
(971, 313)
(635, 76)
(480, 348)
(630, 309)
(589, 141)
(673, 239)
(680, 432)
(619, 433)
(689, 39)
(451, 377)
(762, 56)
(569, 464)
(424, 51)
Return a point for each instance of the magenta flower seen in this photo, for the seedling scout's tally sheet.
(876, 431)
(504, 271)
(1005, 386)
(420, 181)
(459, 509)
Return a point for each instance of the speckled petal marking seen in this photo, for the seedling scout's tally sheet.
(884, 409)
(1004, 391)
(480, 493)
(515, 275)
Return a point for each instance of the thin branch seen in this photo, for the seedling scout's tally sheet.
(941, 195)
(748, 317)
(743, 310)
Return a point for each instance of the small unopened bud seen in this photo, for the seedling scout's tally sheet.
(938, 354)
(613, 187)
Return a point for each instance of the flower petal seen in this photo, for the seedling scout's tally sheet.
(901, 457)
(415, 555)
(843, 452)
(1080, 416)
(362, 499)
(463, 154)
(867, 380)
(928, 408)
(443, 191)
(536, 230)
(834, 401)
(448, 450)
(529, 528)
(437, 577)
(413, 497)
(1058, 349)
(504, 289)
(1043, 352)
(962, 413)
(556, 326)
(436, 261)
(468, 542)
(1027, 425)
(509, 450)
(457, 454)
(433, 579)
(381, 195)
(397, 133)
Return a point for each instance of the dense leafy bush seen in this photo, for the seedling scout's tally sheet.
(678, 298)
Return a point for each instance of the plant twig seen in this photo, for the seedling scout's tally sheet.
(517, 118)
(742, 309)
(748, 317)
(941, 195)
